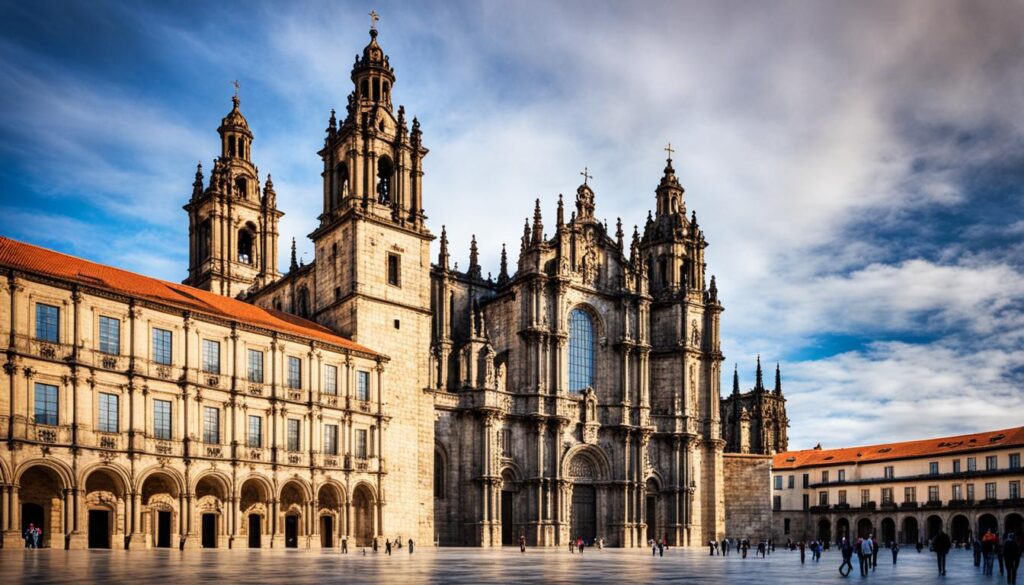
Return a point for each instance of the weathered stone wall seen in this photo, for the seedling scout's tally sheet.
(748, 499)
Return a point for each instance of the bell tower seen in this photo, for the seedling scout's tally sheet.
(232, 224)
(373, 271)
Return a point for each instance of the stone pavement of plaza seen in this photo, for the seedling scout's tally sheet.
(463, 565)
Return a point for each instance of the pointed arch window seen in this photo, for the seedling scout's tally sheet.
(581, 350)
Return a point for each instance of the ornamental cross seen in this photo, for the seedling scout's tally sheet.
(586, 176)
(237, 86)
(669, 150)
(374, 17)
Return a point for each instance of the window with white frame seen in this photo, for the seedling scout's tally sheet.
(45, 404)
(47, 323)
(330, 379)
(255, 366)
(294, 379)
(294, 443)
(255, 432)
(162, 419)
(162, 346)
(108, 410)
(211, 356)
(362, 385)
(330, 439)
(110, 335)
(211, 425)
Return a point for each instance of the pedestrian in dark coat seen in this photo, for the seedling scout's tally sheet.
(1011, 556)
(941, 546)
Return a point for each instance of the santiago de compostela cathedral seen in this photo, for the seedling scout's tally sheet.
(377, 391)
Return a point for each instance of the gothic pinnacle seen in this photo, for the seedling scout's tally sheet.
(713, 290)
(759, 377)
(735, 379)
(474, 259)
(503, 274)
(560, 216)
(538, 226)
(618, 233)
(525, 243)
(778, 379)
(294, 263)
(442, 257)
(197, 185)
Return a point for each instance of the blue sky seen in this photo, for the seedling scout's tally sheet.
(858, 168)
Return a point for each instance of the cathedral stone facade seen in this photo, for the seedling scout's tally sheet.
(575, 395)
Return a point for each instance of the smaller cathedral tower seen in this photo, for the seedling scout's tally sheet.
(232, 224)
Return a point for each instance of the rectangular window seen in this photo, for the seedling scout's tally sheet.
(506, 442)
(990, 490)
(46, 404)
(842, 475)
(255, 366)
(162, 346)
(790, 482)
(211, 356)
(991, 463)
(776, 502)
(970, 492)
(778, 482)
(865, 497)
(786, 525)
(255, 432)
(162, 419)
(886, 495)
(842, 496)
(824, 477)
(807, 479)
(956, 466)
(211, 425)
(331, 380)
(972, 464)
(958, 492)
(331, 439)
(807, 501)
(394, 270)
(293, 434)
(108, 413)
(822, 498)
(1014, 460)
(47, 323)
(294, 372)
(888, 472)
(361, 450)
(362, 386)
(933, 493)
(909, 494)
(110, 335)
(933, 468)
(1015, 489)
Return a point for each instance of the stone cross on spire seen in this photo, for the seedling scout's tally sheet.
(669, 150)
(374, 17)
(586, 176)
(237, 86)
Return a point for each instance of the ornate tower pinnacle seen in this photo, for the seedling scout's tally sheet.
(759, 381)
(442, 256)
(474, 259)
(560, 215)
(538, 226)
(736, 379)
(503, 273)
(197, 185)
(294, 265)
(778, 379)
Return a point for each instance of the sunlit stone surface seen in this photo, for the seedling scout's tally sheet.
(450, 565)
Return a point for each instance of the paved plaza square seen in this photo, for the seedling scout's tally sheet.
(461, 565)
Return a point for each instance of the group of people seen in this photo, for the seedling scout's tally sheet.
(33, 536)
(814, 546)
(764, 547)
(990, 549)
(575, 544)
(388, 545)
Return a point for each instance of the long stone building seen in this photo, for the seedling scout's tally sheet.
(375, 392)
(902, 492)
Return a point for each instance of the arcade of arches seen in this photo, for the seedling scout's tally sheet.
(105, 508)
(910, 528)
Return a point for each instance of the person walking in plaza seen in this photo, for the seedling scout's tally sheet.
(580, 544)
(801, 545)
(866, 546)
(846, 548)
(988, 549)
(874, 552)
(1011, 556)
(522, 543)
(387, 547)
(711, 548)
(344, 544)
(941, 545)
(661, 548)
(725, 547)
(410, 546)
(895, 548)
(976, 547)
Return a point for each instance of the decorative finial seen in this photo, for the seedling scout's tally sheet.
(759, 381)
(669, 150)
(474, 259)
(503, 274)
(294, 263)
(538, 225)
(586, 176)
(374, 17)
(778, 379)
(237, 85)
(735, 379)
(442, 257)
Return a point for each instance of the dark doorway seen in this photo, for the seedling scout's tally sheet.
(888, 531)
(864, 528)
(584, 512)
(209, 531)
(987, 522)
(508, 535)
(291, 532)
(842, 529)
(163, 529)
(99, 529)
(934, 525)
(960, 528)
(255, 530)
(33, 514)
(824, 530)
(910, 535)
(652, 515)
(326, 531)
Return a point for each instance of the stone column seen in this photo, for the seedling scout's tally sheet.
(12, 524)
(136, 537)
(192, 539)
(79, 537)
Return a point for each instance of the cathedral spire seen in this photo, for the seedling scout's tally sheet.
(269, 195)
(197, 185)
(442, 256)
(759, 377)
(525, 242)
(474, 259)
(294, 265)
(538, 226)
(618, 234)
(503, 272)
(560, 216)
(778, 379)
(736, 379)
(669, 191)
(634, 249)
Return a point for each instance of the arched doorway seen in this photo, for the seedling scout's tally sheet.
(254, 510)
(960, 528)
(211, 493)
(293, 502)
(824, 530)
(331, 512)
(363, 521)
(42, 504)
(910, 531)
(934, 525)
(987, 522)
(105, 509)
(160, 511)
(888, 530)
(651, 510)
(842, 529)
(508, 513)
(864, 528)
(1014, 523)
(583, 502)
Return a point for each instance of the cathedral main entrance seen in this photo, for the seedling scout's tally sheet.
(584, 512)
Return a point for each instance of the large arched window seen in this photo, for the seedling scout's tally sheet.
(581, 350)
(246, 241)
(385, 169)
